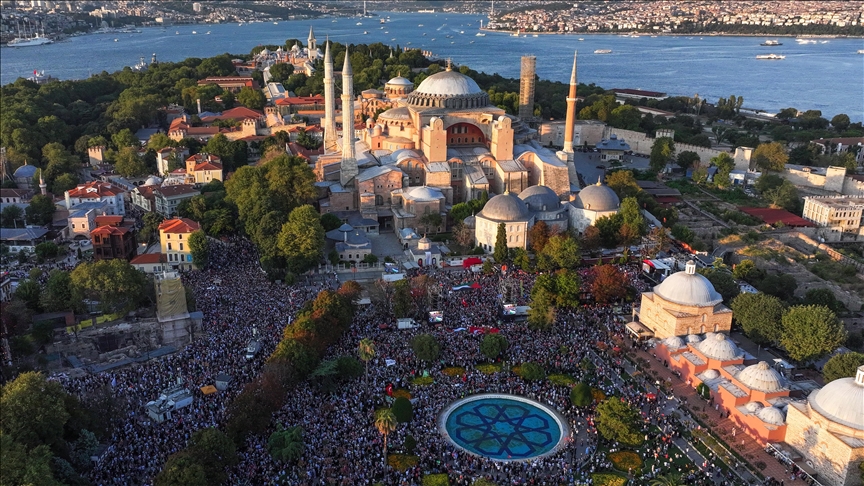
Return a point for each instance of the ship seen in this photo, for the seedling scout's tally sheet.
(431, 10)
(37, 40)
(860, 51)
(41, 77)
(771, 43)
(771, 56)
(603, 51)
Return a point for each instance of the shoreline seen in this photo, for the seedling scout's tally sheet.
(672, 34)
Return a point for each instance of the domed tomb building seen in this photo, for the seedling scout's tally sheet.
(512, 212)
(685, 303)
(828, 429)
(591, 204)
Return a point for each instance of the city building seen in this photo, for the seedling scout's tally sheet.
(591, 204)
(24, 175)
(82, 218)
(18, 239)
(173, 240)
(113, 237)
(351, 244)
(612, 149)
(167, 155)
(838, 214)
(150, 263)
(110, 194)
(167, 198)
(230, 83)
(203, 168)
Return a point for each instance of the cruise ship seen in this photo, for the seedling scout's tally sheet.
(36, 40)
(771, 57)
(603, 51)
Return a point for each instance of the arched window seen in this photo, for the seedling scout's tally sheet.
(704, 316)
(379, 200)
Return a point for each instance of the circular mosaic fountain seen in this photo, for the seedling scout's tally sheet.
(503, 427)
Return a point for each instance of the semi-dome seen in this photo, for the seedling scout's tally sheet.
(400, 81)
(719, 348)
(771, 415)
(424, 193)
(505, 207)
(401, 113)
(688, 288)
(448, 89)
(711, 374)
(540, 198)
(761, 377)
(842, 401)
(470, 222)
(754, 407)
(674, 342)
(597, 198)
(693, 339)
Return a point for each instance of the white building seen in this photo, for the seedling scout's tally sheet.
(591, 204)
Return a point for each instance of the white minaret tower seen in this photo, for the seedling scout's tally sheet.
(43, 188)
(329, 127)
(349, 159)
(311, 45)
(571, 112)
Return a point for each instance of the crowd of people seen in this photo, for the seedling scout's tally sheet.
(342, 446)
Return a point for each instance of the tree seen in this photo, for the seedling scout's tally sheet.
(541, 313)
(286, 445)
(34, 411)
(251, 98)
(125, 138)
(561, 251)
(20, 466)
(779, 285)
(768, 181)
(493, 345)
(725, 165)
(58, 294)
(366, 350)
(402, 410)
(151, 224)
(46, 250)
(302, 238)
(500, 253)
(12, 217)
(29, 292)
(608, 284)
(618, 421)
(40, 211)
(459, 212)
(824, 297)
(661, 152)
(723, 283)
(840, 122)
(426, 347)
(770, 156)
(116, 284)
(568, 286)
(810, 332)
(686, 159)
(760, 316)
(129, 164)
(214, 451)
(580, 395)
(539, 235)
(182, 469)
(199, 247)
(745, 270)
(330, 221)
(623, 183)
(631, 216)
(842, 366)
(785, 196)
(531, 371)
(385, 422)
(65, 182)
(281, 71)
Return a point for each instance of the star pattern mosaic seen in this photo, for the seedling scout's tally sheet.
(503, 429)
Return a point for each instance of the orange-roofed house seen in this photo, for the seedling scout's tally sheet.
(113, 237)
(231, 83)
(174, 242)
(150, 263)
(98, 191)
(203, 168)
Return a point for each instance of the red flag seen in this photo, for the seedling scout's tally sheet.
(35, 72)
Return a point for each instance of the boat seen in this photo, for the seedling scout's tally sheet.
(535, 35)
(41, 77)
(37, 40)
(177, 33)
(581, 39)
(860, 51)
(141, 66)
(461, 31)
(208, 33)
(275, 23)
(771, 57)
(471, 42)
(359, 23)
(194, 32)
(771, 43)
(419, 25)
(480, 34)
(393, 39)
(603, 51)
(382, 21)
(431, 10)
(116, 40)
(424, 34)
(364, 32)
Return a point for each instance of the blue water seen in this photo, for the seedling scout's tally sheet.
(501, 428)
(827, 77)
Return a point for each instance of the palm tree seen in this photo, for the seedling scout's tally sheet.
(385, 422)
(367, 352)
(668, 480)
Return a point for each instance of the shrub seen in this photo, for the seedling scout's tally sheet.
(598, 395)
(402, 462)
(401, 393)
(402, 410)
(483, 482)
(608, 479)
(625, 460)
(422, 381)
(436, 480)
(410, 444)
(488, 368)
(453, 371)
(580, 395)
(531, 371)
(561, 380)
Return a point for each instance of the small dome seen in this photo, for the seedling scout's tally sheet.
(761, 377)
(771, 415)
(540, 198)
(470, 222)
(400, 81)
(153, 181)
(754, 407)
(711, 374)
(693, 339)
(25, 171)
(597, 198)
(424, 193)
(424, 243)
(674, 342)
(719, 348)
(400, 114)
(505, 207)
(448, 83)
(689, 288)
(842, 400)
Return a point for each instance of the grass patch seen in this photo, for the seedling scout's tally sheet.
(422, 381)
(489, 368)
(402, 462)
(454, 371)
(608, 479)
(625, 461)
(402, 393)
(436, 480)
(766, 253)
(834, 271)
(561, 380)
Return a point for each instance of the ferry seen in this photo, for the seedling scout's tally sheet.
(431, 10)
(364, 32)
(581, 39)
(359, 23)
(40, 77)
(480, 34)
(771, 56)
(603, 51)
(382, 21)
(860, 51)
(37, 40)
(771, 43)
(194, 32)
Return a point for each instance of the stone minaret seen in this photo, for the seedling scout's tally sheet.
(311, 45)
(329, 127)
(571, 111)
(43, 188)
(349, 159)
(526, 87)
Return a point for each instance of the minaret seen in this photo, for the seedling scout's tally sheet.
(43, 188)
(571, 112)
(311, 45)
(349, 160)
(329, 103)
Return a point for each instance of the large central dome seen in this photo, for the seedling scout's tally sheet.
(448, 89)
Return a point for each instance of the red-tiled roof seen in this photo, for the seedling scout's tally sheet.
(771, 216)
(202, 157)
(843, 140)
(108, 219)
(148, 258)
(95, 190)
(176, 190)
(110, 230)
(242, 112)
(207, 166)
(300, 100)
(179, 225)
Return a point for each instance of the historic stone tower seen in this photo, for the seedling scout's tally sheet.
(571, 110)
(311, 43)
(349, 168)
(526, 87)
(330, 135)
